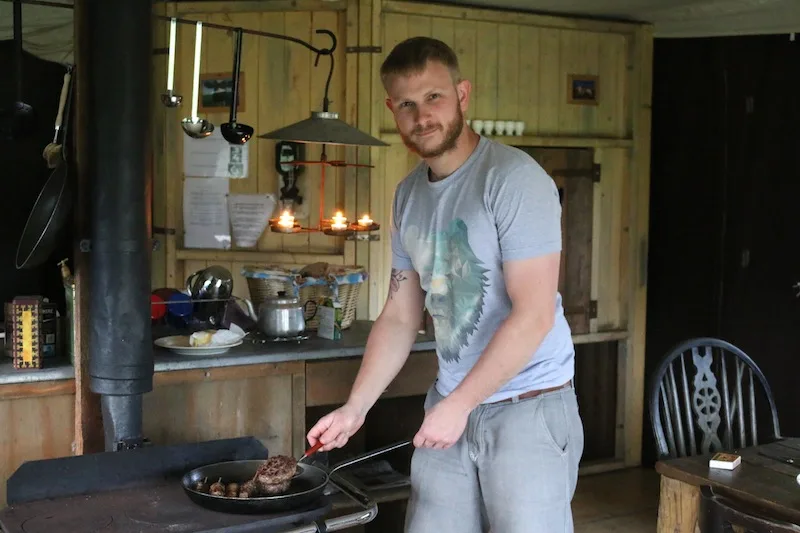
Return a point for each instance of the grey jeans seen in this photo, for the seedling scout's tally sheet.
(513, 470)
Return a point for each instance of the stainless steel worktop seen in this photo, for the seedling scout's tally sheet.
(352, 344)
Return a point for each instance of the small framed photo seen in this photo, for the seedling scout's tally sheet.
(216, 93)
(582, 89)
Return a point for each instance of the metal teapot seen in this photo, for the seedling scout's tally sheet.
(284, 316)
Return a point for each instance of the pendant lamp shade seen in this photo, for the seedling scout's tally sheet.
(326, 128)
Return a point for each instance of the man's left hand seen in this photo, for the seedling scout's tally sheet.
(443, 425)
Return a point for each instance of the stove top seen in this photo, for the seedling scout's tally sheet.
(135, 491)
(163, 507)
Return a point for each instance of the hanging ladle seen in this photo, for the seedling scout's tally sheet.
(194, 126)
(232, 131)
(169, 98)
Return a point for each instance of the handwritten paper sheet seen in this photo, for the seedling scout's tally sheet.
(214, 157)
(205, 213)
(249, 214)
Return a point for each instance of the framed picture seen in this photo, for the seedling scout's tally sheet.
(582, 89)
(216, 93)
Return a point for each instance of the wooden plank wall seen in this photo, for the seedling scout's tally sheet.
(281, 85)
(519, 71)
(266, 401)
(38, 421)
(519, 65)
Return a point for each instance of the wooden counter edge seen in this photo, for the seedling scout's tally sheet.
(172, 377)
(37, 389)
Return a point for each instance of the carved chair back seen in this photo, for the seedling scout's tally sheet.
(703, 400)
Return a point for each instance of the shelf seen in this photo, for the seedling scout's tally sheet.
(393, 137)
(256, 256)
(600, 336)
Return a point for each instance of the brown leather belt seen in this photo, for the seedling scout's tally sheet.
(532, 394)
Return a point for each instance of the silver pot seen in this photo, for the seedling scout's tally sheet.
(283, 316)
(212, 283)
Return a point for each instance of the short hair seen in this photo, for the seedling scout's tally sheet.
(412, 55)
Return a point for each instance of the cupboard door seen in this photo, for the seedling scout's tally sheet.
(572, 169)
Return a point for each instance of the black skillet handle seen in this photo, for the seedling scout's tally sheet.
(370, 455)
(350, 490)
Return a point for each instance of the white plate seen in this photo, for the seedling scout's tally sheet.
(179, 344)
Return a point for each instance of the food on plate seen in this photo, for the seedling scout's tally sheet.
(232, 490)
(201, 486)
(201, 338)
(217, 488)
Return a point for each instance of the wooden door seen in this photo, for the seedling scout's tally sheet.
(573, 171)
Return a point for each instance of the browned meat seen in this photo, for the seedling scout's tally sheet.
(248, 489)
(276, 470)
(217, 489)
(272, 489)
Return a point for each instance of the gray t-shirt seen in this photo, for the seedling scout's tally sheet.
(500, 205)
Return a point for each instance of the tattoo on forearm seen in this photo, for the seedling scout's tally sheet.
(394, 281)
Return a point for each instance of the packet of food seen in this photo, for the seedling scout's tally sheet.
(330, 314)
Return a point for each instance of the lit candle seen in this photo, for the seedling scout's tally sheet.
(286, 220)
(339, 221)
(365, 221)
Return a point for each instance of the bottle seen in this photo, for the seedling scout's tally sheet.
(69, 290)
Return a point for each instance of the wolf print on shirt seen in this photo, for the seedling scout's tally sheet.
(455, 281)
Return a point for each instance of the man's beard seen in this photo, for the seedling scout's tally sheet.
(452, 132)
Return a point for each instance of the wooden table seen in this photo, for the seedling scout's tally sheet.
(764, 482)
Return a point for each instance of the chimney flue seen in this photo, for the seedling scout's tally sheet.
(118, 127)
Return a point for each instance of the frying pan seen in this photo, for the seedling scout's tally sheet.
(306, 487)
(51, 208)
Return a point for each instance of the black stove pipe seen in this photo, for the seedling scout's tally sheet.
(118, 127)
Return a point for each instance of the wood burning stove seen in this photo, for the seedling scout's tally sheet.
(140, 491)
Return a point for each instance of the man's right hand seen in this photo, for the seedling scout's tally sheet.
(336, 428)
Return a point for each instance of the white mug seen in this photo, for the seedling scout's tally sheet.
(489, 125)
(477, 126)
(510, 125)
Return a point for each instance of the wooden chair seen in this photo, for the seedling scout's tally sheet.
(703, 400)
(719, 514)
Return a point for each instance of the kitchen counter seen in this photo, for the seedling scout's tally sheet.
(352, 344)
(56, 368)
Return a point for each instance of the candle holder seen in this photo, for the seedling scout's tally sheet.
(336, 226)
(277, 228)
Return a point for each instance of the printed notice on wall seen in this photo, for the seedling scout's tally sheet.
(249, 216)
(205, 213)
(214, 157)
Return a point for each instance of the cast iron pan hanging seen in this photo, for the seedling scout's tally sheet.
(51, 208)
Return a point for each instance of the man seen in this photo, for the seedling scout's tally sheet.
(476, 237)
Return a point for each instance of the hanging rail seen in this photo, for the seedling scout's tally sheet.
(318, 51)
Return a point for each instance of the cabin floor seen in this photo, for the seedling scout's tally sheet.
(623, 501)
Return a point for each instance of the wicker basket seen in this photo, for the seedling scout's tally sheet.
(341, 284)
